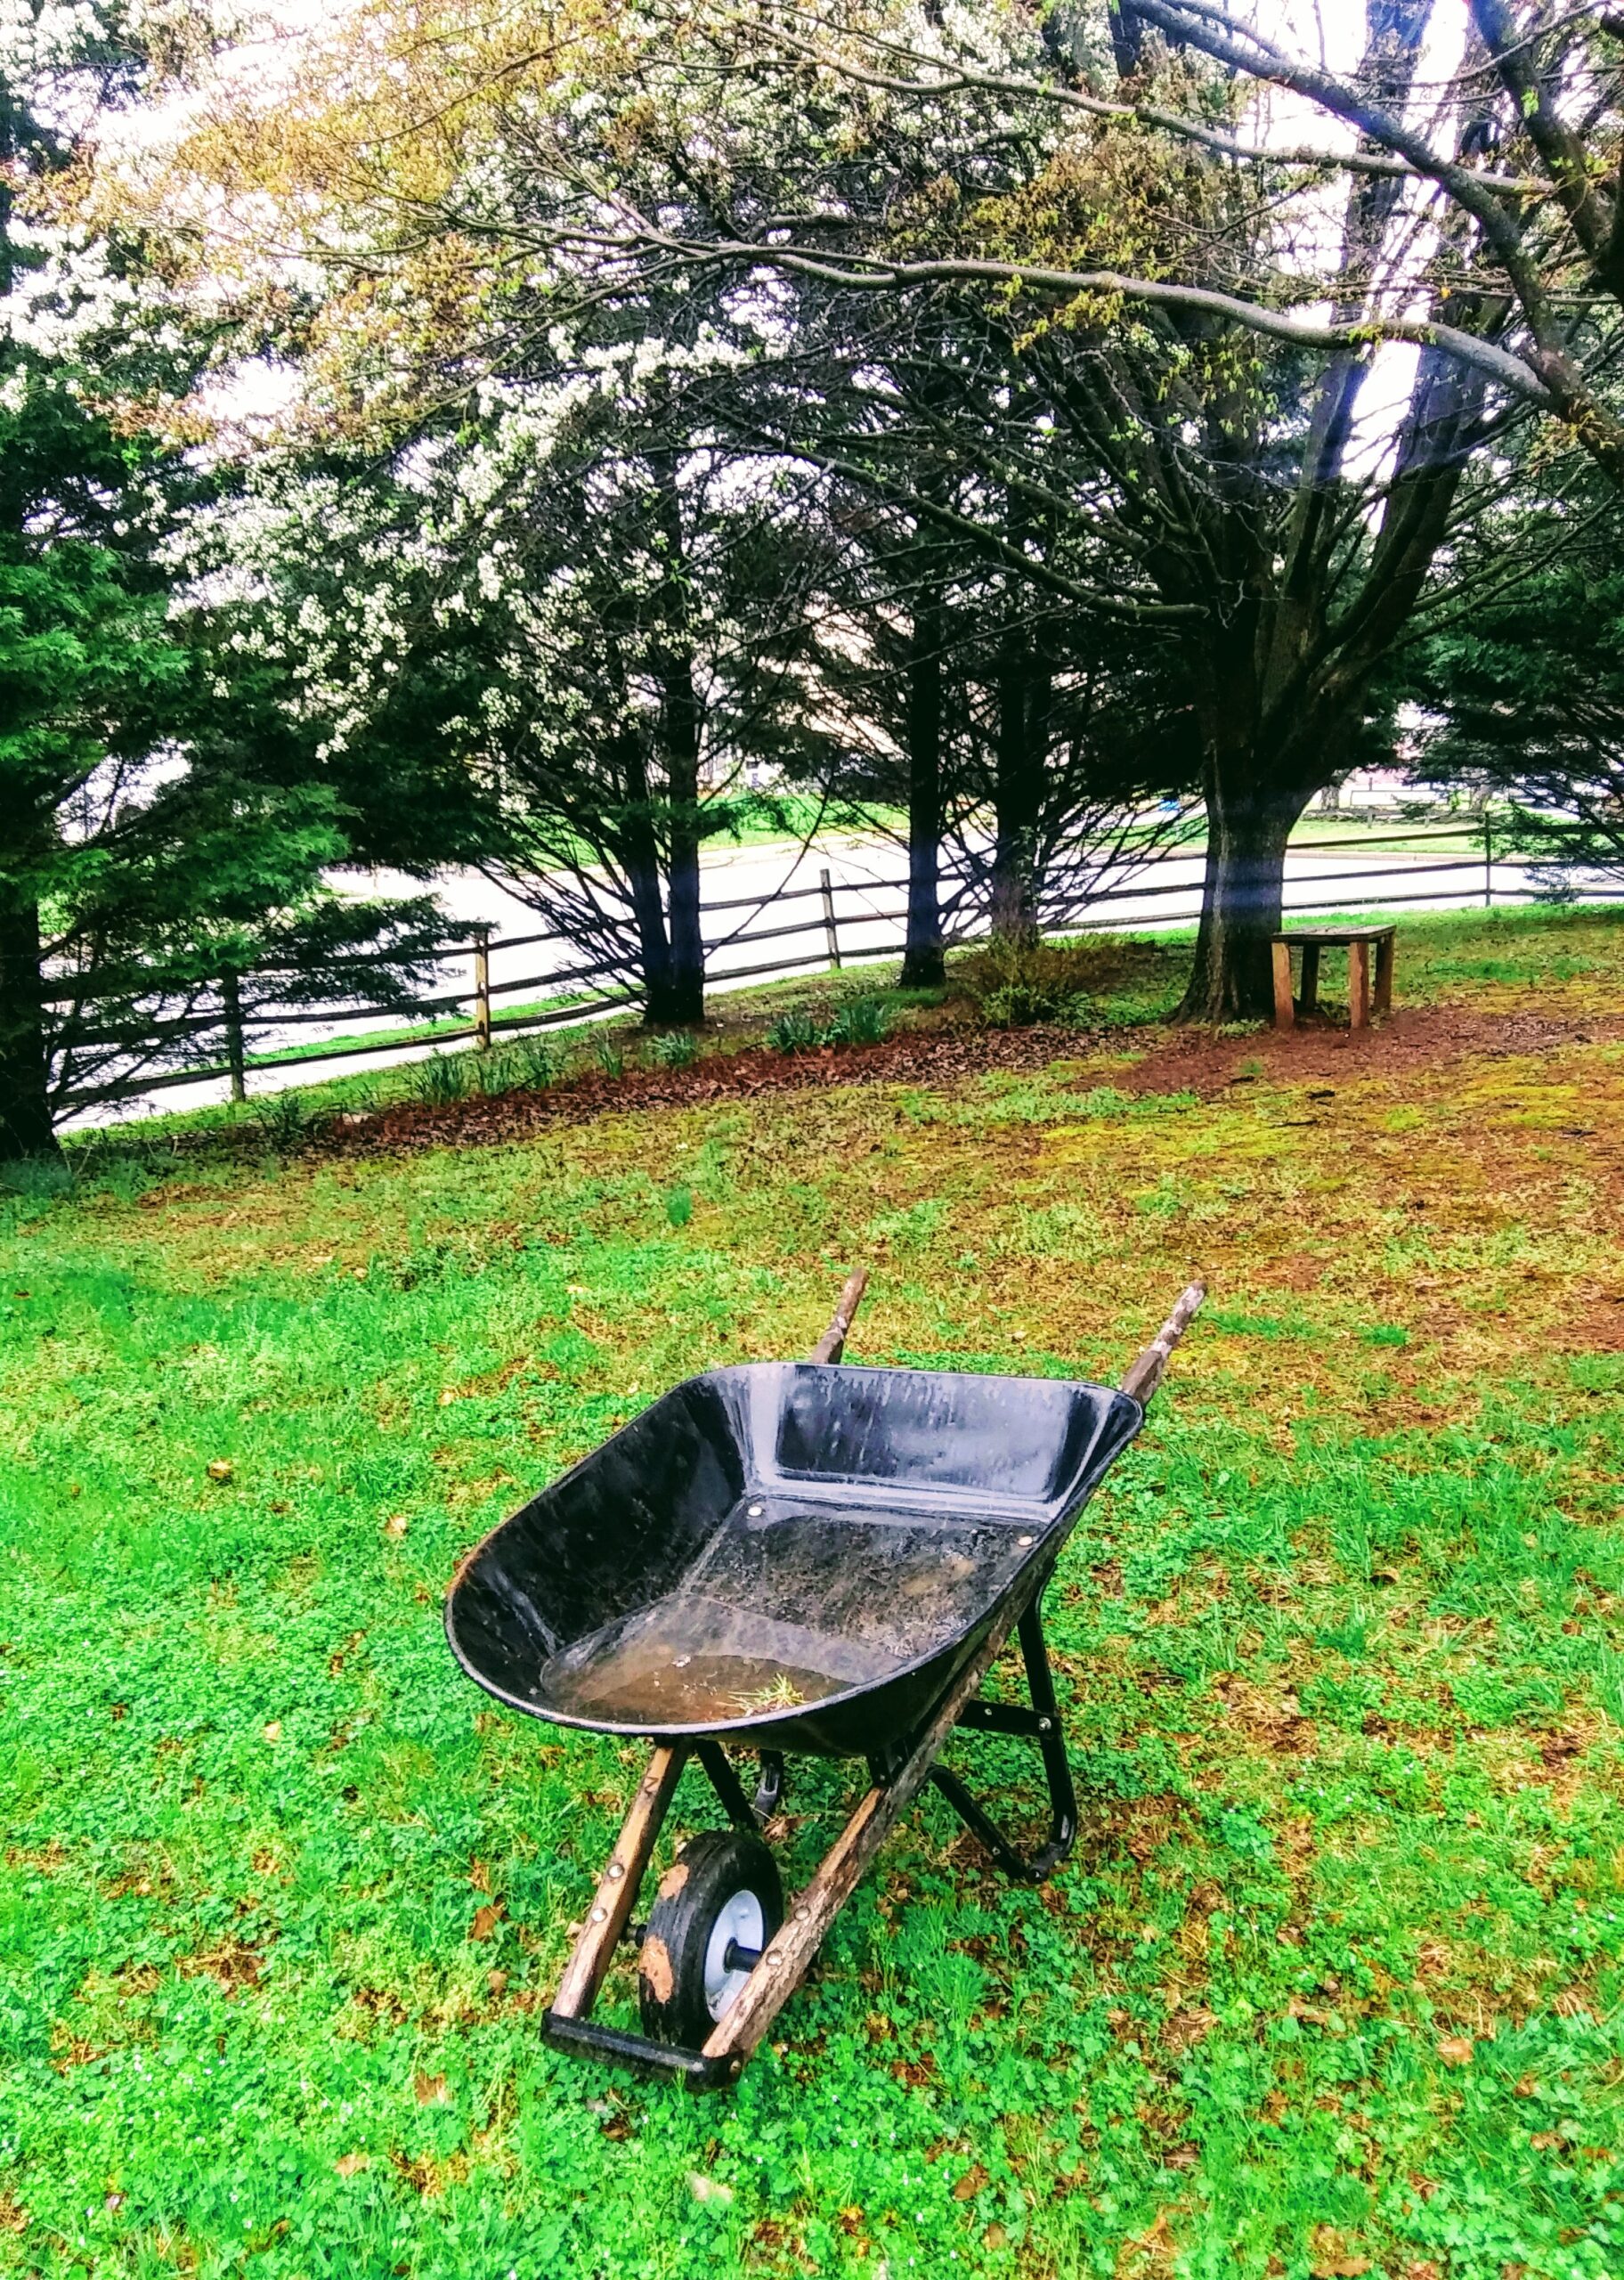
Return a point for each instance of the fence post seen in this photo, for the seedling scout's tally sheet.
(830, 930)
(1488, 860)
(481, 988)
(230, 992)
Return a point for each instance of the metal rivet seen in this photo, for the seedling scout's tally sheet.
(617, 1869)
(800, 1916)
(1024, 1539)
(1042, 1725)
(756, 1510)
(771, 1961)
(598, 1915)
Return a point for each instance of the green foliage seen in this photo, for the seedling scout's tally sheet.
(679, 1206)
(861, 1020)
(676, 1049)
(442, 1078)
(523, 1064)
(795, 1031)
(1015, 983)
(609, 1052)
(282, 1120)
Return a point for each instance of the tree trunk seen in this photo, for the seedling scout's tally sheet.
(923, 962)
(1018, 789)
(639, 855)
(686, 1002)
(1248, 828)
(25, 1100)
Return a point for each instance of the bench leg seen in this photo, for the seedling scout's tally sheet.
(1308, 996)
(1283, 1016)
(1384, 974)
(1359, 985)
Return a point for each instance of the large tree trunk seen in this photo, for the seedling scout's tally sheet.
(923, 962)
(25, 1100)
(1017, 788)
(1247, 827)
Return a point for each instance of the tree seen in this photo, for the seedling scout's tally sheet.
(1525, 697)
(1179, 478)
(162, 831)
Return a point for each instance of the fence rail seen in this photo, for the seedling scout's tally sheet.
(831, 914)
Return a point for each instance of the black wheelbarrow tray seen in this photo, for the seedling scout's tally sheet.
(787, 1556)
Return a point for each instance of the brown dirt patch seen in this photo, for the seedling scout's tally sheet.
(1195, 1061)
(933, 1056)
(1598, 1330)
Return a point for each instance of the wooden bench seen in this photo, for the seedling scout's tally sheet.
(1357, 940)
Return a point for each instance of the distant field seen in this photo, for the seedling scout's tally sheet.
(1332, 1983)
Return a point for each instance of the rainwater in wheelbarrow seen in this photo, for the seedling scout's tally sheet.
(802, 1554)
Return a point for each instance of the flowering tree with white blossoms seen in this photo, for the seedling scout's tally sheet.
(166, 831)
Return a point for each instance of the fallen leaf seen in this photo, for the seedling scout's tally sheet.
(431, 2089)
(1456, 2049)
(486, 1920)
(221, 1468)
(971, 2184)
(1543, 2140)
(350, 2164)
(709, 2189)
(496, 1981)
(273, 1732)
(397, 1524)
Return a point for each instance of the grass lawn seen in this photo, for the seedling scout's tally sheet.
(1332, 1983)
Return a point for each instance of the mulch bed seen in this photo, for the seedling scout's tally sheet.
(936, 1056)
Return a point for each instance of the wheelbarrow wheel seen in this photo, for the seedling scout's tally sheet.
(718, 1904)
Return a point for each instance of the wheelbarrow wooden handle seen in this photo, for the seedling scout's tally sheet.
(832, 1344)
(1145, 1371)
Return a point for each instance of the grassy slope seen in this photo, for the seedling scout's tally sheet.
(1331, 1981)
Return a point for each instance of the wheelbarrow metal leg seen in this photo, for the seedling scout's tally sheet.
(727, 1786)
(1042, 1723)
(617, 1887)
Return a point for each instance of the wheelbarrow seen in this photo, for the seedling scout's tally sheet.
(788, 1557)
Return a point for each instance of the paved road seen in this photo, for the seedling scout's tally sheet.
(867, 873)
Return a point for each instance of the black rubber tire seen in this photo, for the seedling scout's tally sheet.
(709, 1872)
